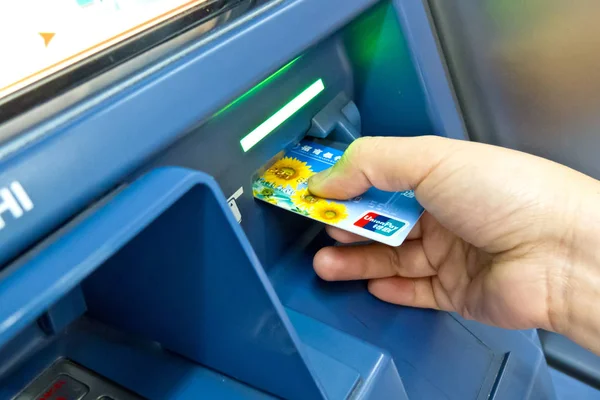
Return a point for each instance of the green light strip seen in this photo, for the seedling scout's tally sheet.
(264, 129)
(257, 88)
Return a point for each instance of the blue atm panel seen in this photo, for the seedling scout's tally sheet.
(144, 268)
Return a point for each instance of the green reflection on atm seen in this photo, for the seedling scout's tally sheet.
(256, 88)
(273, 122)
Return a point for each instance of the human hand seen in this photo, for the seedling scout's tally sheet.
(506, 237)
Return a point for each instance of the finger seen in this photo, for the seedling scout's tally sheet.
(343, 236)
(390, 164)
(405, 291)
(372, 261)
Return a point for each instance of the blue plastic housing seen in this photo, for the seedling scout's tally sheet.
(132, 264)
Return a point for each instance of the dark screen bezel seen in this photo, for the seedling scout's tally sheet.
(72, 76)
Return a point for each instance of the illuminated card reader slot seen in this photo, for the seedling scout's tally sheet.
(339, 121)
(273, 122)
(340, 116)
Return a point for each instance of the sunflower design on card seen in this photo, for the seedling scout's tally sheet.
(305, 199)
(381, 216)
(329, 212)
(288, 171)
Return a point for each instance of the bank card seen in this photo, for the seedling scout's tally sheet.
(385, 217)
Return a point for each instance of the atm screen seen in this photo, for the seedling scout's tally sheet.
(41, 39)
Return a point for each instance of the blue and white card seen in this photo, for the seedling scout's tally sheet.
(385, 217)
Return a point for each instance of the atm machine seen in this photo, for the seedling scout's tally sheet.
(135, 262)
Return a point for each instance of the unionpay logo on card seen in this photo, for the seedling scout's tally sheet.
(385, 217)
(378, 223)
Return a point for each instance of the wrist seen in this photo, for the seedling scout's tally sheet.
(576, 287)
(580, 316)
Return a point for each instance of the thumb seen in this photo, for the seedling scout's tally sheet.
(389, 164)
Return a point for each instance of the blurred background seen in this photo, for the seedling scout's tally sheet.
(527, 74)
